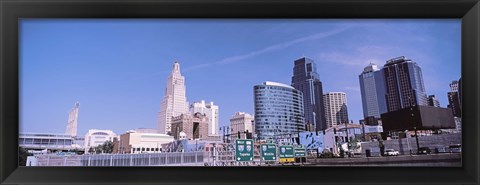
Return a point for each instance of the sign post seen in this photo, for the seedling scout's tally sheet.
(244, 150)
(286, 154)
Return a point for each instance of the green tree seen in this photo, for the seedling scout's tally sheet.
(91, 150)
(381, 146)
(98, 149)
(326, 154)
(353, 144)
(342, 153)
(107, 147)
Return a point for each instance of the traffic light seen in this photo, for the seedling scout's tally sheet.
(248, 135)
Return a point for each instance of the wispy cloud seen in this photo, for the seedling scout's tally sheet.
(347, 59)
(351, 88)
(357, 57)
(271, 48)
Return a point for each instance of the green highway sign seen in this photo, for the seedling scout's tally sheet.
(268, 152)
(244, 150)
(300, 152)
(286, 152)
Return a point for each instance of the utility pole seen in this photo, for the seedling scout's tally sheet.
(408, 144)
(223, 133)
(414, 127)
(413, 120)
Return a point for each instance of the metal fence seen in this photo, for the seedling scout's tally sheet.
(156, 159)
(54, 160)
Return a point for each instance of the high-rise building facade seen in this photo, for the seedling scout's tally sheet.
(305, 79)
(278, 111)
(72, 122)
(211, 111)
(174, 102)
(241, 122)
(454, 86)
(336, 112)
(404, 84)
(372, 88)
(454, 99)
(433, 101)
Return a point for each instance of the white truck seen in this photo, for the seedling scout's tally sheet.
(391, 152)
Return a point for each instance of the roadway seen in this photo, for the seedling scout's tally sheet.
(442, 159)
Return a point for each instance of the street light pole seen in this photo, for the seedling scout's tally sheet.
(408, 144)
(347, 139)
(416, 138)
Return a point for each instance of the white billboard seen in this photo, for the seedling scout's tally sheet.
(312, 140)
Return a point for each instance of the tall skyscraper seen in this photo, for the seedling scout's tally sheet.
(454, 86)
(433, 101)
(454, 99)
(241, 122)
(278, 111)
(336, 112)
(72, 122)
(174, 101)
(404, 84)
(211, 111)
(372, 88)
(305, 79)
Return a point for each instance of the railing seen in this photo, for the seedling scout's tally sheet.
(156, 159)
(47, 146)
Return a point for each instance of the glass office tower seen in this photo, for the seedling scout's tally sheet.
(305, 79)
(372, 88)
(404, 84)
(278, 111)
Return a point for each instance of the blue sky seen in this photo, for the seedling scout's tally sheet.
(117, 69)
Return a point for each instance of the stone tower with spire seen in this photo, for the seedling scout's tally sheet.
(174, 102)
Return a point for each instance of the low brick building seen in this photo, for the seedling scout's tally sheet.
(194, 126)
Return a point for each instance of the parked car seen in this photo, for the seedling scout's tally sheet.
(441, 150)
(391, 152)
(457, 148)
(424, 150)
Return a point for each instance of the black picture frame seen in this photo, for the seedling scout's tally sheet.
(12, 10)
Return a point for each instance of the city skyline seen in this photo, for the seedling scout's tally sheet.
(143, 83)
